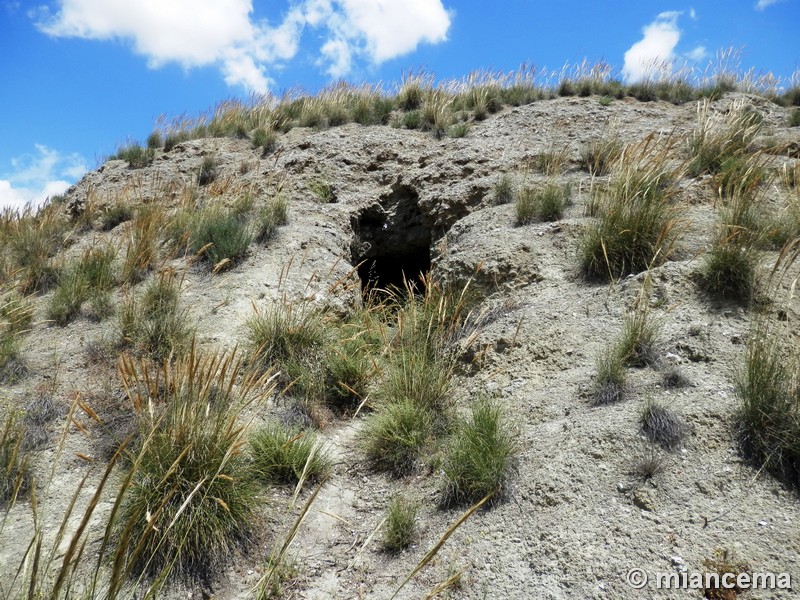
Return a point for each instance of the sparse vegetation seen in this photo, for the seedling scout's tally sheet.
(544, 204)
(155, 323)
(136, 156)
(91, 278)
(274, 214)
(599, 155)
(648, 463)
(480, 456)
(504, 189)
(209, 170)
(15, 470)
(637, 343)
(718, 139)
(219, 236)
(729, 268)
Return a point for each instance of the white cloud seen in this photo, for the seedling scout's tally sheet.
(224, 33)
(697, 54)
(654, 53)
(762, 4)
(35, 177)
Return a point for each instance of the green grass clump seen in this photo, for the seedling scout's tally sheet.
(192, 496)
(282, 455)
(274, 214)
(504, 189)
(401, 524)
(718, 139)
(323, 190)
(16, 314)
(220, 236)
(114, 215)
(767, 387)
(287, 337)
(479, 458)
(209, 170)
(266, 139)
(155, 323)
(394, 437)
(637, 221)
(15, 472)
(729, 267)
(141, 250)
(32, 240)
(136, 156)
(794, 118)
(610, 384)
(637, 344)
(544, 204)
(598, 156)
(91, 278)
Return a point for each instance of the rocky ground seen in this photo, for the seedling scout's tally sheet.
(577, 518)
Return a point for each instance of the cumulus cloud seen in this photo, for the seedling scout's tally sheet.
(35, 177)
(224, 33)
(655, 51)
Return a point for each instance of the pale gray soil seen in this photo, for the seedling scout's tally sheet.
(576, 519)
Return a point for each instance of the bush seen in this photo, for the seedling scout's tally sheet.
(662, 425)
(394, 437)
(401, 524)
(479, 457)
(266, 139)
(794, 118)
(767, 418)
(323, 190)
(192, 497)
(155, 323)
(545, 204)
(458, 130)
(610, 382)
(274, 214)
(281, 455)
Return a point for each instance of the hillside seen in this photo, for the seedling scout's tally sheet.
(522, 313)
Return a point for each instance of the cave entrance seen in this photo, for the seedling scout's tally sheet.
(392, 242)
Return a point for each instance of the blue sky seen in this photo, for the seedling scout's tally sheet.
(80, 77)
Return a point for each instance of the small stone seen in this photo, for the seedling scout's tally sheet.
(643, 498)
(762, 523)
(624, 488)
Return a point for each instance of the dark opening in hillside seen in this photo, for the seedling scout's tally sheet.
(391, 241)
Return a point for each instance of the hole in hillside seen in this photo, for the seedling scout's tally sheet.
(392, 241)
